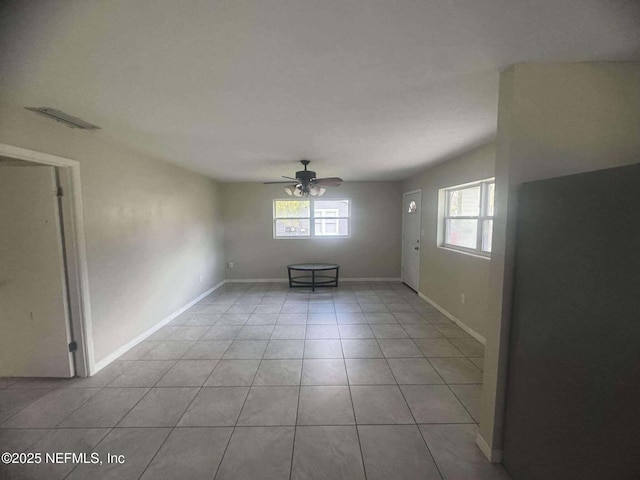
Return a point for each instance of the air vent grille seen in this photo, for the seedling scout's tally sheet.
(65, 118)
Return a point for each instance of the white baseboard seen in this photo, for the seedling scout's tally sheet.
(346, 279)
(493, 455)
(256, 280)
(461, 324)
(370, 279)
(135, 341)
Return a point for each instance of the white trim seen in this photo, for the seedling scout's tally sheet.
(86, 330)
(312, 218)
(83, 326)
(68, 280)
(345, 279)
(37, 157)
(443, 216)
(135, 341)
(370, 279)
(418, 190)
(493, 455)
(255, 280)
(461, 324)
(469, 184)
(448, 248)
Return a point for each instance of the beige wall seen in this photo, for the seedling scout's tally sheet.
(445, 274)
(372, 251)
(152, 228)
(553, 120)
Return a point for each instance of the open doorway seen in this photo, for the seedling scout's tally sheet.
(43, 320)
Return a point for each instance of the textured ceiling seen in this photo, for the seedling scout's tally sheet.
(241, 90)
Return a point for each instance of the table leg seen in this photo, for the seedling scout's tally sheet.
(313, 280)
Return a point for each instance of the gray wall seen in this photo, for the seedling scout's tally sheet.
(553, 119)
(373, 251)
(573, 386)
(152, 228)
(445, 274)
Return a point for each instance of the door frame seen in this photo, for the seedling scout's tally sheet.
(411, 192)
(76, 250)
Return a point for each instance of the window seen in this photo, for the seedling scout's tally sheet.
(468, 217)
(310, 218)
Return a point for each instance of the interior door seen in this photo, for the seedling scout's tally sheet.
(34, 326)
(411, 238)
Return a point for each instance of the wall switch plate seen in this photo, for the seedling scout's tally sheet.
(230, 264)
(463, 298)
(201, 278)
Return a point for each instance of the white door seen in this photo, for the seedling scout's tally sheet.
(34, 327)
(411, 239)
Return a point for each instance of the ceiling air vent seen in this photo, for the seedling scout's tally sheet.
(65, 118)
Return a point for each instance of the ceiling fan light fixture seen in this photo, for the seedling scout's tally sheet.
(308, 183)
(316, 191)
(302, 190)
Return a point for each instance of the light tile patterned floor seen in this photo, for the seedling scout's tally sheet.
(258, 381)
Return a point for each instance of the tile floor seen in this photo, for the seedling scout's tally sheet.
(258, 381)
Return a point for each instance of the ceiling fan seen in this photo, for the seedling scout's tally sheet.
(307, 184)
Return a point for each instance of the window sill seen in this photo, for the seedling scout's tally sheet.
(471, 254)
(318, 237)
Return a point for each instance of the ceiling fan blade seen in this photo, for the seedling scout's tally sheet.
(328, 182)
(270, 183)
(290, 178)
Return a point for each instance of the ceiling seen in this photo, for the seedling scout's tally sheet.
(241, 90)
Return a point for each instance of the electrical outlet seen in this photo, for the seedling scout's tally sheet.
(463, 298)
(230, 264)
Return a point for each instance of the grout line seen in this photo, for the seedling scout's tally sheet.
(295, 427)
(418, 425)
(353, 409)
(51, 391)
(92, 450)
(80, 406)
(180, 427)
(249, 296)
(158, 451)
(433, 459)
(215, 474)
(235, 425)
(25, 407)
(142, 397)
(462, 403)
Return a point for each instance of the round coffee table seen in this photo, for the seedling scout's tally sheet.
(313, 275)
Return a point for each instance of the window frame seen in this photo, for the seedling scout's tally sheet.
(275, 219)
(312, 218)
(323, 223)
(480, 219)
